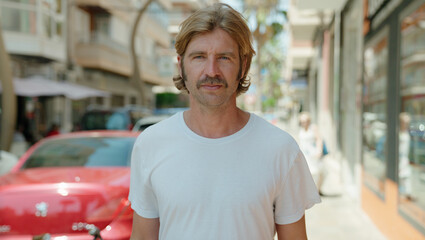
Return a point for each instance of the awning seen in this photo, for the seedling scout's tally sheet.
(39, 86)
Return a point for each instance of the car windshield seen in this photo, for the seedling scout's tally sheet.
(88, 152)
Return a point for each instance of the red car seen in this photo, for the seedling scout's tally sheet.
(71, 186)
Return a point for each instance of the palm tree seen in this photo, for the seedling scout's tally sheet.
(8, 107)
(265, 30)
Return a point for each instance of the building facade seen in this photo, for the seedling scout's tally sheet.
(393, 132)
(35, 37)
(87, 44)
(366, 79)
(100, 52)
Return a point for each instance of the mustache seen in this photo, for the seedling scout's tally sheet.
(212, 80)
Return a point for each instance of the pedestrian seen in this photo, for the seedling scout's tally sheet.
(53, 130)
(311, 144)
(215, 171)
(404, 168)
(19, 143)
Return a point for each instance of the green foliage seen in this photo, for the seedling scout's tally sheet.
(269, 24)
(171, 100)
(277, 28)
(269, 104)
(272, 59)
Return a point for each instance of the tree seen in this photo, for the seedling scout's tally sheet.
(272, 55)
(136, 79)
(268, 26)
(8, 108)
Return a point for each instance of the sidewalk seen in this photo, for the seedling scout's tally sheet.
(340, 218)
(339, 215)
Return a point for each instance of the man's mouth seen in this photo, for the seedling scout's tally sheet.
(211, 83)
(211, 86)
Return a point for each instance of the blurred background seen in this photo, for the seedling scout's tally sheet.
(357, 66)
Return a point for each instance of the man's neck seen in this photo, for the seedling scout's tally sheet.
(215, 123)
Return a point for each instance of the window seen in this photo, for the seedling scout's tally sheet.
(117, 100)
(53, 18)
(157, 12)
(374, 111)
(411, 128)
(18, 20)
(21, 16)
(32, 2)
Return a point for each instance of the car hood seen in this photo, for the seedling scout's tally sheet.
(61, 200)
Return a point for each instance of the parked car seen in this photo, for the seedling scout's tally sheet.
(148, 121)
(70, 186)
(7, 161)
(95, 119)
(122, 118)
(169, 111)
(159, 114)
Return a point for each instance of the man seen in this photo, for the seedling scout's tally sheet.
(216, 171)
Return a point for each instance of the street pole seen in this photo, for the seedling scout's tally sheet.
(8, 108)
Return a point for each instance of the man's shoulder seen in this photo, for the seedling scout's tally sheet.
(275, 143)
(273, 134)
(269, 128)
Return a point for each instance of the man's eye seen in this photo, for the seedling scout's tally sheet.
(198, 57)
(224, 58)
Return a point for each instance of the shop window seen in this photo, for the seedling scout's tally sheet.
(374, 112)
(411, 144)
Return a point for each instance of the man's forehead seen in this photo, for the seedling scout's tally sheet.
(217, 41)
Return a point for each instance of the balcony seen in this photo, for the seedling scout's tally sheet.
(27, 31)
(34, 45)
(190, 5)
(305, 17)
(156, 31)
(301, 56)
(318, 5)
(150, 71)
(101, 52)
(102, 39)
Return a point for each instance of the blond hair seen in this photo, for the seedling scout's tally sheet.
(206, 20)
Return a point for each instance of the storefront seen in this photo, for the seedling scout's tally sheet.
(42, 102)
(348, 108)
(393, 124)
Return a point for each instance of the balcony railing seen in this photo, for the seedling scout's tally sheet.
(103, 39)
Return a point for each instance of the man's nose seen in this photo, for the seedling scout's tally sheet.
(211, 68)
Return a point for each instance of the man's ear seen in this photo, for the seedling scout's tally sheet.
(179, 65)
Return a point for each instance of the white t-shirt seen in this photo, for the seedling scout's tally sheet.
(235, 187)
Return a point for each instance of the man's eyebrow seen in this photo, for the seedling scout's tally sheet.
(196, 53)
(229, 53)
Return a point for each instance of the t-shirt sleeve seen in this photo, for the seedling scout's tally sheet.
(142, 197)
(297, 192)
